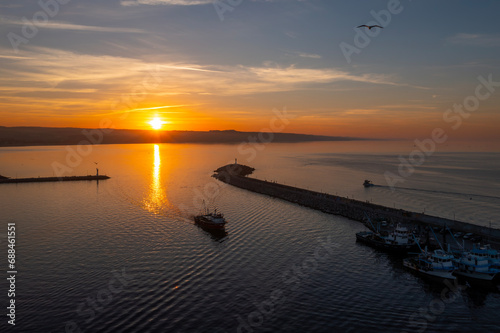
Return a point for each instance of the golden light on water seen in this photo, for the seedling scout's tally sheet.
(157, 198)
(157, 163)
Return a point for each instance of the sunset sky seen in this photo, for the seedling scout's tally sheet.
(199, 66)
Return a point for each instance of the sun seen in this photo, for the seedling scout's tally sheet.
(156, 123)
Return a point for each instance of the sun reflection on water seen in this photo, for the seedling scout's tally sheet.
(156, 199)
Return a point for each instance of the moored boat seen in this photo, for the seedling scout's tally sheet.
(434, 264)
(398, 241)
(492, 255)
(476, 264)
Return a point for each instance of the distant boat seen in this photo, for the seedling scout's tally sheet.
(436, 264)
(398, 241)
(211, 220)
(367, 183)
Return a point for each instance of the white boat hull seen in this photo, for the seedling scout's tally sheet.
(477, 275)
(433, 273)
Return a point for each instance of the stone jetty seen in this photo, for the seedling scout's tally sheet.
(235, 174)
(5, 180)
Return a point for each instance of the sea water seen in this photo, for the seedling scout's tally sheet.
(123, 255)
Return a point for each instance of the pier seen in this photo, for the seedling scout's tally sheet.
(5, 180)
(235, 174)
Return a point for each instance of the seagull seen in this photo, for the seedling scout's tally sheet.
(370, 26)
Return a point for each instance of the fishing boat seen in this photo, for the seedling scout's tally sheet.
(211, 220)
(398, 241)
(437, 264)
(479, 264)
(492, 255)
(476, 264)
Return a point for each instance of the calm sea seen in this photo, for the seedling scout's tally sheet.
(123, 255)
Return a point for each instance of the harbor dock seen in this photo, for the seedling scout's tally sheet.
(5, 180)
(236, 175)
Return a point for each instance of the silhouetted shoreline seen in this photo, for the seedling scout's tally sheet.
(53, 136)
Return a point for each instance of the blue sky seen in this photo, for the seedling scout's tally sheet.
(231, 73)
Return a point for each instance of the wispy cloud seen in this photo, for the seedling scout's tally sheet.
(77, 27)
(190, 68)
(484, 40)
(12, 57)
(358, 112)
(309, 55)
(415, 106)
(162, 107)
(147, 109)
(55, 67)
(165, 2)
(64, 82)
(292, 76)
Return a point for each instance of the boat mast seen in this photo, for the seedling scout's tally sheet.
(415, 239)
(369, 220)
(437, 240)
(453, 236)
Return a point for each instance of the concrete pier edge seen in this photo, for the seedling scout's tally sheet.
(349, 208)
(52, 179)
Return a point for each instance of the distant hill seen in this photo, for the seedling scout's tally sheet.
(49, 136)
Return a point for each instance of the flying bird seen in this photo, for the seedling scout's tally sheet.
(370, 26)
